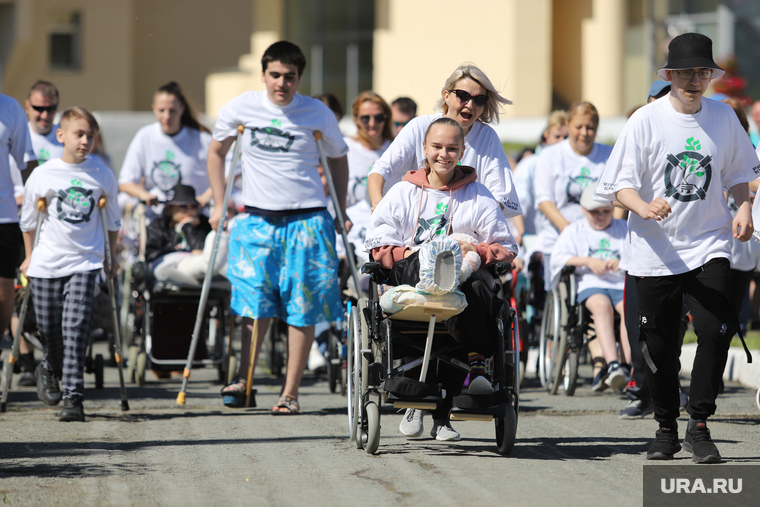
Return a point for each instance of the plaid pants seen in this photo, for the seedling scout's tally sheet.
(64, 313)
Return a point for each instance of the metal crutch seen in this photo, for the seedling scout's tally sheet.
(210, 272)
(114, 312)
(8, 370)
(338, 208)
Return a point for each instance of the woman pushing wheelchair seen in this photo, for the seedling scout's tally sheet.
(441, 199)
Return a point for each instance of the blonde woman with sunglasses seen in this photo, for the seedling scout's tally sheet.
(469, 98)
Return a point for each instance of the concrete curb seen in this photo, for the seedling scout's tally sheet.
(737, 368)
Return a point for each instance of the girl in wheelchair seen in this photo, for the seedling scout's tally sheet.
(593, 244)
(443, 198)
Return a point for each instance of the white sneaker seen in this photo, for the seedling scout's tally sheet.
(411, 424)
(443, 431)
(480, 385)
(316, 359)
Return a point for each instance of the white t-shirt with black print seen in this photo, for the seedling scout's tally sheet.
(475, 212)
(279, 152)
(561, 176)
(482, 150)
(71, 239)
(686, 159)
(166, 161)
(579, 239)
(14, 143)
(360, 161)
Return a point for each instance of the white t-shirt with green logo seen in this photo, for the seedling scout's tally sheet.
(482, 150)
(686, 159)
(279, 152)
(579, 239)
(71, 239)
(475, 212)
(360, 160)
(561, 176)
(166, 161)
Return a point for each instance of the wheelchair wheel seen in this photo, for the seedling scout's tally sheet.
(140, 366)
(506, 430)
(371, 437)
(364, 329)
(549, 329)
(333, 360)
(352, 379)
(134, 350)
(571, 373)
(98, 370)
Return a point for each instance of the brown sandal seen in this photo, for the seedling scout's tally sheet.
(289, 403)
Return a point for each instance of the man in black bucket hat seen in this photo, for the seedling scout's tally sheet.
(669, 167)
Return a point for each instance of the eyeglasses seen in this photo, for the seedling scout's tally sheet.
(463, 97)
(187, 206)
(689, 73)
(379, 118)
(399, 124)
(42, 109)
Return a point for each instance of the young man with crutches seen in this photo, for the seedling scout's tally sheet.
(64, 264)
(669, 167)
(282, 260)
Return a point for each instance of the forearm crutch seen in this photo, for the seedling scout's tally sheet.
(210, 271)
(8, 370)
(114, 311)
(338, 212)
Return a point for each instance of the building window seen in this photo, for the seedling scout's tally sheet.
(65, 42)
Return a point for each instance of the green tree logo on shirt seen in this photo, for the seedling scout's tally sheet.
(436, 225)
(605, 251)
(577, 184)
(272, 138)
(44, 156)
(166, 173)
(688, 173)
(75, 204)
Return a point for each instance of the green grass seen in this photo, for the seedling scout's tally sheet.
(752, 339)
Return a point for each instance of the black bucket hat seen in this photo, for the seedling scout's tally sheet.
(690, 51)
(181, 194)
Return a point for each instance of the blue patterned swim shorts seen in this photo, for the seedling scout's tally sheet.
(285, 267)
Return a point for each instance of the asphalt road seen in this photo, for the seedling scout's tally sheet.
(569, 451)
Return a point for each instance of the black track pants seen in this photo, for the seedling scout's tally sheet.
(660, 301)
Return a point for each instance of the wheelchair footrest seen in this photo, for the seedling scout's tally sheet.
(409, 388)
(483, 403)
(422, 403)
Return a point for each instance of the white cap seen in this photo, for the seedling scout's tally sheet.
(590, 202)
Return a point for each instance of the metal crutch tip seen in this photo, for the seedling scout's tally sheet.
(124, 405)
(181, 399)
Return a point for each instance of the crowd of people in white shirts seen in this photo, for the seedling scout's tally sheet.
(564, 204)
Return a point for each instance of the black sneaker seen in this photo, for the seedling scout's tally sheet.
(665, 445)
(47, 386)
(27, 379)
(698, 442)
(72, 410)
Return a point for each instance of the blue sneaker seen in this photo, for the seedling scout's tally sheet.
(599, 385)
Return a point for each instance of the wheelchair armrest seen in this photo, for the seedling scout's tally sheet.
(567, 270)
(499, 268)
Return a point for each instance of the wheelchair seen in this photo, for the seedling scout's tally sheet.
(161, 319)
(376, 342)
(566, 330)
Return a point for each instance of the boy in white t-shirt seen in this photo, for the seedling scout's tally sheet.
(669, 167)
(64, 264)
(594, 244)
(282, 260)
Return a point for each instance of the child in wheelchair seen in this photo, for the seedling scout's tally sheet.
(593, 244)
(440, 199)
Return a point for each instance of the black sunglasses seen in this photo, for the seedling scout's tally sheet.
(398, 124)
(42, 109)
(379, 118)
(463, 97)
